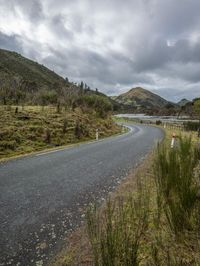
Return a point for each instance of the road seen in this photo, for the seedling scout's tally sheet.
(43, 197)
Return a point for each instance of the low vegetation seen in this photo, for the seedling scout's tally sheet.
(154, 214)
(33, 128)
(148, 226)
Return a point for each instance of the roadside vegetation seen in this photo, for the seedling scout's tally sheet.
(26, 129)
(154, 217)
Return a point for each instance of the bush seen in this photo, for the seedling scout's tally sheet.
(65, 125)
(48, 136)
(191, 126)
(158, 122)
(81, 130)
(177, 183)
(99, 103)
(8, 145)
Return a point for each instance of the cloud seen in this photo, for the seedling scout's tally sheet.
(10, 42)
(113, 45)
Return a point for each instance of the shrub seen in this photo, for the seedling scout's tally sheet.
(158, 122)
(177, 184)
(81, 130)
(65, 125)
(99, 103)
(10, 145)
(48, 136)
(191, 126)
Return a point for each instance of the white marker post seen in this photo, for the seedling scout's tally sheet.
(123, 129)
(97, 134)
(173, 142)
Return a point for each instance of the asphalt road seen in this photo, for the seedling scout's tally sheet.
(43, 197)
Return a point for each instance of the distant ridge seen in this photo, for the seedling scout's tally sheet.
(183, 102)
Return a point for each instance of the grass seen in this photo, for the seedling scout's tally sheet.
(177, 184)
(154, 214)
(35, 128)
(116, 237)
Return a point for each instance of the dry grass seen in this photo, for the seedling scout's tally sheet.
(158, 244)
(35, 128)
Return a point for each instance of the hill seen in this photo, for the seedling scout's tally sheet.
(141, 100)
(21, 68)
(25, 82)
(183, 102)
(40, 110)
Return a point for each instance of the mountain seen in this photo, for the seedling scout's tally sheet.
(139, 99)
(17, 67)
(23, 81)
(183, 102)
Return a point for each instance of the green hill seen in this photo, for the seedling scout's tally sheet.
(141, 100)
(18, 67)
(183, 102)
(40, 110)
(25, 82)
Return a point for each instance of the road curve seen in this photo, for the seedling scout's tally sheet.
(43, 197)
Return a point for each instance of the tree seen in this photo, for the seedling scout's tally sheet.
(48, 97)
(197, 108)
(82, 87)
(4, 95)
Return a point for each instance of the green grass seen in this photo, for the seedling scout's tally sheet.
(116, 235)
(34, 128)
(177, 183)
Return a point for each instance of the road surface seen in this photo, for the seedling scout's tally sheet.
(43, 197)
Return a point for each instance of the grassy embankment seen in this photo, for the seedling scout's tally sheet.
(35, 128)
(153, 219)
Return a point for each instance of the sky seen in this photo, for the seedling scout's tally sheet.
(112, 45)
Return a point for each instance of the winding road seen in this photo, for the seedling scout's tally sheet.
(43, 197)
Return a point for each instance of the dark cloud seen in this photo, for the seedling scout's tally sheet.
(110, 44)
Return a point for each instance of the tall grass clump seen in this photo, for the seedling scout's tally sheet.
(115, 234)
(178, 183)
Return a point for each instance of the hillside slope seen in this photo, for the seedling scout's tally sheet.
(14, 64)
(39, 109)
(183, 102)
(141, 97)
(141, 100)
(25, 82)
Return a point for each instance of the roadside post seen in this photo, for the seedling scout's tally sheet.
(97, 134)
(173, 142)
(123, 129)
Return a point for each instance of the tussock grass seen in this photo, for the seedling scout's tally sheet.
(34, 128)
(177, 183)
(115, 236)
(169, 220)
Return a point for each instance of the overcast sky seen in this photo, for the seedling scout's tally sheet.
(113, 45)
